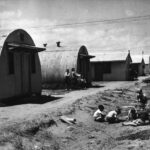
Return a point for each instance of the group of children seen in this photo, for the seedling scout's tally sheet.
(74, 80)
(111, 117)
(137, 115)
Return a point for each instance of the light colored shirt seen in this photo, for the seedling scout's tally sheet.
(112, 113)
(67, 74)
(98, 113)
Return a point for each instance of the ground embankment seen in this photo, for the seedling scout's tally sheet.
(47, 131)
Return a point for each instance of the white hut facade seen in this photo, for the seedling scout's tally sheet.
(111, 66)
(147, 64)
(20, 69)
(138, 64)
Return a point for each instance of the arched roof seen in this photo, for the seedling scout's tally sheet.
(14, 36)
(19, 39)
(83, 50)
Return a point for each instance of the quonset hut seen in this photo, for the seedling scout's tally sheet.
(20, 69)
(54, 63)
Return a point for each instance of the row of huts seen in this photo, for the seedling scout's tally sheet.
(118, 66)
(24, 67)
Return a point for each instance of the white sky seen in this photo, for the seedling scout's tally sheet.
(39, 17)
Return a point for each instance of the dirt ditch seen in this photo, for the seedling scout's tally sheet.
(47, 131)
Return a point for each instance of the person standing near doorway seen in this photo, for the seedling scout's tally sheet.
(67, 79)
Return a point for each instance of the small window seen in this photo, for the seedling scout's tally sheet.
(107, 67)
(33, 66)
(11, 62)
(143, 66)
(22, 37)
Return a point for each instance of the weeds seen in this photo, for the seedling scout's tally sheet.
(15, 134)
(18, 144)
(142, 135)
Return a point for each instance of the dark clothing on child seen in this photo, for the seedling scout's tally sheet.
(67, 80)
(132, 114)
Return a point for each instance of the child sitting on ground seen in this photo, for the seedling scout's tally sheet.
(112, 116)
(132, 114)
(142, 99)
(142, 119)
(99, 115)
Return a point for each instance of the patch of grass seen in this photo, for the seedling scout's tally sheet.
(32, 127)
(108, 143)
(142, 135)
(6, 137)
(18, 144)
(25, 129)
(45, 135)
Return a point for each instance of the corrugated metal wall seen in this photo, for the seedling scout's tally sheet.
(55, 62)
(54, 65)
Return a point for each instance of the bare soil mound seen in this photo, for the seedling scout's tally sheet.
(48, 132)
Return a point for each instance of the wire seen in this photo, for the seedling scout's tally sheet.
(93, 22)
(114, 49)
(108, 21)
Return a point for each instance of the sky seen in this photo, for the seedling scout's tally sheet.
(81, 22)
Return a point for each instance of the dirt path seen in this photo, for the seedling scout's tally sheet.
(38, 126)
(27, 111)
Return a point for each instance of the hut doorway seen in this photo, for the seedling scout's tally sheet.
(84, 67)
(83, 64)
(23, 72)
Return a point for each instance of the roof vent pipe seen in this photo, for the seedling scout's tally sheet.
(142, 53)
(58, 44)
(45, 44)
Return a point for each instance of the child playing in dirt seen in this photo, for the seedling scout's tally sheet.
(112, 116)
(132, 114)
(142, 99)
(99, 115)
(141, 120)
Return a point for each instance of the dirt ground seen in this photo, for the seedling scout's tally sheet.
(34, 123)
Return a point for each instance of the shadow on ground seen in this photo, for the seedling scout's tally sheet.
(142, 135)
(28, 100)
(97, 86)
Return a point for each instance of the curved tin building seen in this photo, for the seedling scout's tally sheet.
(55, 62)
(20, 69)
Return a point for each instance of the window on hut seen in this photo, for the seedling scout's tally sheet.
(22, 37)
(33, 66)
(143, 66)
(11, 62)
(107, 67)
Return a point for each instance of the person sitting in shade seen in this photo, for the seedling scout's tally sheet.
(83, 82)
(73, 78)
(142, 99)
(112, 116)
(99, 114)
(143, 119)
(132, 114)
(67, 79)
